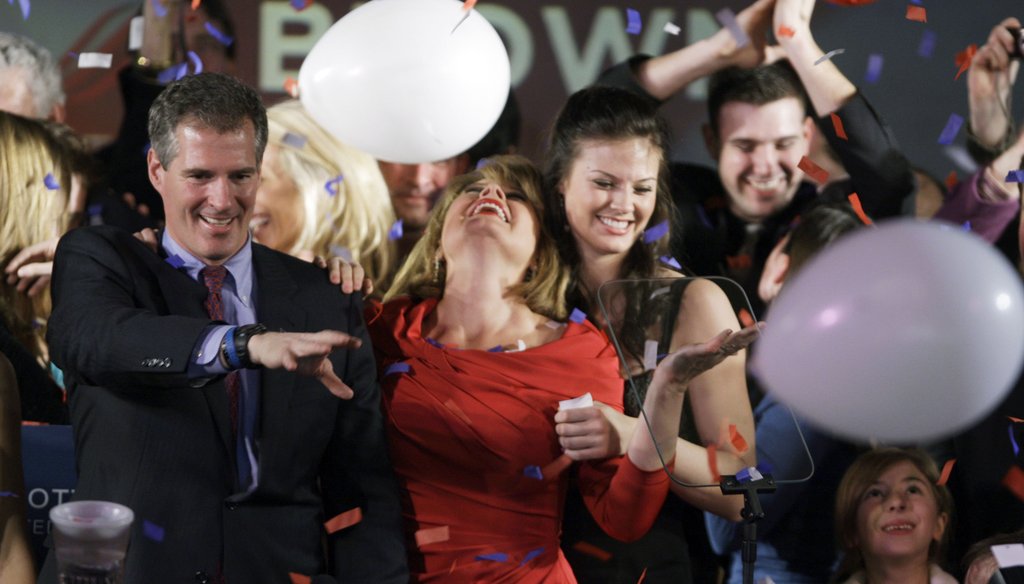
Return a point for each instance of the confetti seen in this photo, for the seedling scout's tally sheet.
(468, 5)
(578, 316)
(959, 155)
(584, 401)
(672, 29)
(135, 33)
(591, 550)
(531, 555)
(837, 125)
(634, 25)
(713, 462)
(858, 209)
(1018, 420)
(964, 58)
(294, 140)
(815, 172)
(1008, 555)
(967, 226)
(951, 129)
(196, 3)
(533, 472)
(332, 185)
(946, 469)
(951, 180)
(785, 32)
(51, 182)
(159, 9)
(435, 343)
(555, 467)
(175, 261)
(300, 5)
(728, 19)
(671, 261)
(344, 520)
(426, 537)
(874, 72)
(9, 494)
(642, 576)
(496, 349)
(299, 578)
(1015, 176)
(152, 531)
(828, 56)
(737, 440)
(495, 557)
(95, 60)
(927, 46)
(291, 87)
(221, 37)
(745, 318)
(652, 234)
(455, 409)
(396, 231)
(482, 163)
(197, 63)
(749, 474)
(650, 355)
(917, 13)
(1013, 441)
(172, 73)
(400, 367)
(1014, 481)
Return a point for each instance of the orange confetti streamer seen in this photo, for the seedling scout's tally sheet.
(343, 520)
(737, 440)
(299, 578)
(591, 550)
(196, 3)
(713, 462)
(817, 173)
(855, 203)
(917, 13)
(291, 86)
(837, 123)
(468, 5)
(964, 58)
(951, 180)
(784, 31)
(555, 468)
(432, 535)
(946, 469)
(745, 318)
(1014, 481)
(642, 576)
(1012, 419)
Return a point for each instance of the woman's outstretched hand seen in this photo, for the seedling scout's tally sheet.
(678, 369)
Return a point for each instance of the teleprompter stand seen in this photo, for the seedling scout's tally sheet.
(751, 513)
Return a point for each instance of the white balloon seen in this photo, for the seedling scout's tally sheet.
(904, 333)
(407, 80)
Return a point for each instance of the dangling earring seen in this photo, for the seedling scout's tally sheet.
(439, 265)
(530, 273)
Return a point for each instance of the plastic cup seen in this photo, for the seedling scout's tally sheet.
(91, 539)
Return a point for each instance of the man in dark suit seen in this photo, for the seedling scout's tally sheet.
(233, 443)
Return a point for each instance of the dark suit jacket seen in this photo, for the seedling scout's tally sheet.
(123, 328)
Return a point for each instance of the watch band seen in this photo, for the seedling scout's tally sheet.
(234, 348)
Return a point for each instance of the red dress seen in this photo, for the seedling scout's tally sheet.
(473, 444)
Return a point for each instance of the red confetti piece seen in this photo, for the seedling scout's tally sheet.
(343, 520)
(1014, 481)
(433, 535)
(1012, 419)
(299, 578)
(737, 440)
(555, 468)
(951, 180)
(837, 123)
(817, 173)
(855, 203)
(468, 5)
(196, 3)
(964, 58)
(917, 13)
(291, 86)
(739, 262)
(455, 409)
(713, 462)
(784, 31)
(946, 469)
(642, 576)
(745, 318)
(591, 550)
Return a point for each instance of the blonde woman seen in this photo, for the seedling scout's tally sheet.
(35, 184)
(320, 197)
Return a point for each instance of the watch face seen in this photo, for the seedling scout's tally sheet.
(1018, 35)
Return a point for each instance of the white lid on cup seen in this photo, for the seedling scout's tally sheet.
(91, 519)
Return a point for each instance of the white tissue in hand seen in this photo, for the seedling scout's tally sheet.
(584, 401)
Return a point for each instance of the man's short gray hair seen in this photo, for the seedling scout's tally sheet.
(39, 71)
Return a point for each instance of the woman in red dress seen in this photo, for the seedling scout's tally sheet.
(474, 356)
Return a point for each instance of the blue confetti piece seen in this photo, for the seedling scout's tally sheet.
(669, 260)
(952, 127)
(874, 73)
(175, 261)
(294, 140)
(400, 367)
(172, 73)
(967, 226)
(496, 349)
(927, 46)
(26, 7)
(482, 163)
(159, 9)
(728, 19)
(1015, 176)
(578, 316)
(533, 472)
(299, 4)
(396, 231)
(1013, 441)
(435, 343)
(635, 24)
(152, 531)
(918, 2)
(197, 63)
(145, 149)
(73, 55)
(8, 494)
(496, 557)
(332, 185)
(217, 34)
(51, 182)
(341, 252)
(531, 554)
(652, 234)
(94, 210)
(57, 374)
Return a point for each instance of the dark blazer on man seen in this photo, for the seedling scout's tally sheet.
(123, 328)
